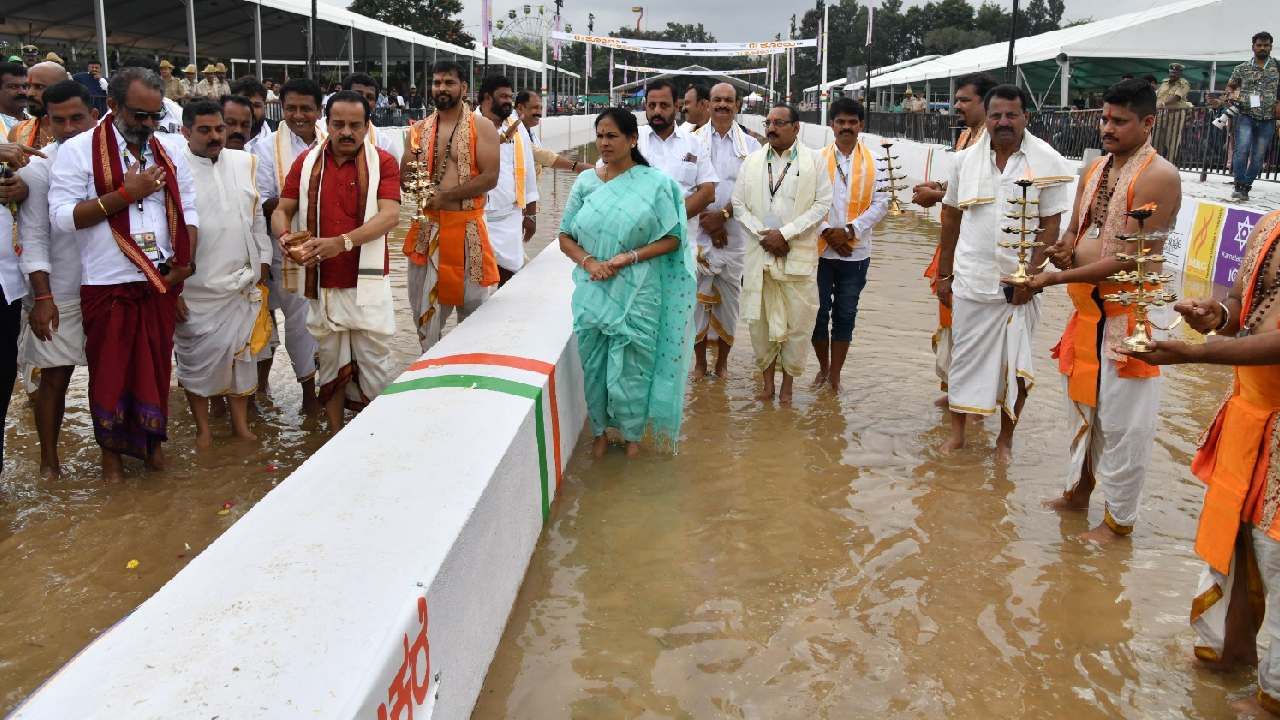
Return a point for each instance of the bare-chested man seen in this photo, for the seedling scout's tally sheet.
(1114, 398)
(451, 263)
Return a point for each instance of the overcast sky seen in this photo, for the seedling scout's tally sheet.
(733, 20)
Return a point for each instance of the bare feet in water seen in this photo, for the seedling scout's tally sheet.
(950, 445)
(818, 380)
(156, 461)
(599, 446)
(1249, 707)
(1101, 535)
(785, 394)
(204, 440)
(1062, 503)
(766, 391)
(112, 467)
(1004, 451)
(633, 449)
(699, 372)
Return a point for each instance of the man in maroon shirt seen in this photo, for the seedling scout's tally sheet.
(340, 199)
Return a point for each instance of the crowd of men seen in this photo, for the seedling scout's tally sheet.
(113, 215)
(140, 239)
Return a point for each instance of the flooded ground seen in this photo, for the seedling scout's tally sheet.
(64, 545)
(823, 562)
(813, 562)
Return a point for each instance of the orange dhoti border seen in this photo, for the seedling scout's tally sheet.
(941, 336)
(1238, 536)
(452, 268)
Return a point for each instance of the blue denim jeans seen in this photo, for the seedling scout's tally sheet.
(840, 284)
(1253, 138)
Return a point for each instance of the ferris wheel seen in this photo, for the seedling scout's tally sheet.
(525, 23)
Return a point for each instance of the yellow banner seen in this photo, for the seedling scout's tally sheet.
(1203, 246)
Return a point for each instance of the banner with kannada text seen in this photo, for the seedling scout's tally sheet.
(664, 47)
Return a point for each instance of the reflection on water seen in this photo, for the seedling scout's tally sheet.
(822, 561)
(64, 545)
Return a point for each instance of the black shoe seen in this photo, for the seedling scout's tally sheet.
(1236, 195)
(1244, 196)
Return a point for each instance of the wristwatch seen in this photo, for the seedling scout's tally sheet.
(347, 244)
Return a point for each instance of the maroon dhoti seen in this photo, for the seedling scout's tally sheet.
(128, 332)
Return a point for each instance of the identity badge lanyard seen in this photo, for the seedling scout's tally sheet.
(774, 187)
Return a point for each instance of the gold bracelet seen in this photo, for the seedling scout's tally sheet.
(103, 208)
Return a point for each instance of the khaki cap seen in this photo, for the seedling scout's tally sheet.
(166, 64)
(221, 68)
(53, 57)
(209, 69)
(190, 69)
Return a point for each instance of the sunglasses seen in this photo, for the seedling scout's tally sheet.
(143, 116)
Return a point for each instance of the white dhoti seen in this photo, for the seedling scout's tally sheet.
(787, 314)
(1113, 441)
(506, 236)
(1254, 582)
(66, 349)
(942, 355)
(421, 278)
(298, 341)
(715, 316)
(212, 347)
(355, 345)
(991, 350)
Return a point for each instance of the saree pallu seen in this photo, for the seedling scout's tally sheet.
(633, 330)
(129, 344)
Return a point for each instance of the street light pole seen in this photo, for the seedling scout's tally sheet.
(311, 43)
(554, 89)
(1010, 71)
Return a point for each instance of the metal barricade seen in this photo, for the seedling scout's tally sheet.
(1187, 138)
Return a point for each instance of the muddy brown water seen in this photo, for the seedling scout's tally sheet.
(819, 561)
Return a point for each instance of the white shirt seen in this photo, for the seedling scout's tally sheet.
(681, 156)
(172, 120)
(263, 131)
(234, 240)
(501, 200)
(264, 146)
(101, 261)
(271, 95)
(725, 161)
(45, 249)
(979, 261)
(9, 122)
(864, 224)
(12, 281)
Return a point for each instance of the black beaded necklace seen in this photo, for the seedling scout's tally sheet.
(1262, 301)
(1102, 198)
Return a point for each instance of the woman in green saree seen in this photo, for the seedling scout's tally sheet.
(634, 289)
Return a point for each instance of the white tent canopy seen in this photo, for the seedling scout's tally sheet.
(237, 29)
(882, 71)
(1195, 30)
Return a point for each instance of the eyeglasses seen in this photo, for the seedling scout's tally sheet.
(778, 123)
(143, 116)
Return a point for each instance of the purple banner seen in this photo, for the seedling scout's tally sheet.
(1235, 235)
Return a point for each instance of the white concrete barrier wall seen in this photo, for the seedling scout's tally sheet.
(378, 577)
